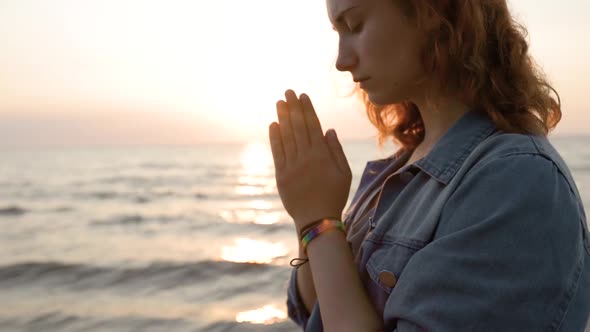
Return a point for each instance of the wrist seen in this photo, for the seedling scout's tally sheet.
(324, 242)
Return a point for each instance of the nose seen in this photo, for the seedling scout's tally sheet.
(347, 58)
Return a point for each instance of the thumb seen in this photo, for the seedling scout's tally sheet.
(337, 151)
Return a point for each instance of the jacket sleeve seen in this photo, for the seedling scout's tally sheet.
(510, 254)
(295, 308)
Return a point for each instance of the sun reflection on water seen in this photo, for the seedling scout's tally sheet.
(257, 171)
(269, 314)
(256, 159)
(260, 205)
(251, 216)
(254, 190)
(256, 179)
(253, 251)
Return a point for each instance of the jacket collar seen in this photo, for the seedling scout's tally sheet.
(451, 150)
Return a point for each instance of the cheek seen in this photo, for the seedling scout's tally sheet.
(401, 59)
(399, 70)
(374, 44)
(393, 46)
(384, 50)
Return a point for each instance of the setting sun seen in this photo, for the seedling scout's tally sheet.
(210, 71)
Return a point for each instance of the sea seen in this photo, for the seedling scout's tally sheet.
(159, 238)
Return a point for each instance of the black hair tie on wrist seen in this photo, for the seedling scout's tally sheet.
(303, 261)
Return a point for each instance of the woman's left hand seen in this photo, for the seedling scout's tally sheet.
(312, 174)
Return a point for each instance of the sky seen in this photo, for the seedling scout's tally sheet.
(121, 72)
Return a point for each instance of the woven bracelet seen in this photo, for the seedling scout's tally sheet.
(313, 225)
(325, 226)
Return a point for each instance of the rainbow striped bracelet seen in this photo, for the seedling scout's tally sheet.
(324, 226)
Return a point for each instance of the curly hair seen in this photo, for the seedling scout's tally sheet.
(480, 53)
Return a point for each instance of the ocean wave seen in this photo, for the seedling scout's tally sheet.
(128, 196)
(224, 227)
(158, 165)
(200, 196)
(141, 199)
(164, 193)
(12, 210)
(261, 196)
(15, 210)
(137, 219)
(143, 180)
(21, 184)
(60, 321)
(174, 166)
(221, 171)
(100, 195)
(285, 326)
(129, 179)
(53, 320)
(120, 220)
(231, 195)
(62, 209)
(63, 322)
(158, 275)
(132, 180)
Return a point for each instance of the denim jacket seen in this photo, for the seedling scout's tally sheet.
(485, 233)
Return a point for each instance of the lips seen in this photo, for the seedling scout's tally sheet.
(363, 84)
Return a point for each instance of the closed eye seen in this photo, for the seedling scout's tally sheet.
(358, 28)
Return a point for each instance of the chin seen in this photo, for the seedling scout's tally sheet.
(382, 99)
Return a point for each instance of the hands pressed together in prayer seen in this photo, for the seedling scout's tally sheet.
(312, 174)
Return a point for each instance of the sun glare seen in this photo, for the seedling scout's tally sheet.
(245, 216)
(256, 159)
(269, 314)
(253, 251)
(257, 171)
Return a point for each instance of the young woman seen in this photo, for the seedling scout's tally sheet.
(475, 223)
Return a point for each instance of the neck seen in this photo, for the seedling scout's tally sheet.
(438, 116)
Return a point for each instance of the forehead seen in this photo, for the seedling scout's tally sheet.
(337, 7)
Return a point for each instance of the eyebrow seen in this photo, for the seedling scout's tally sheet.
(340, 17)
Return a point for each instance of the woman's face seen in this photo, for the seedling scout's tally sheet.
(379, 42)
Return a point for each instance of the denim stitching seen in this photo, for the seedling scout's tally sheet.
(569, 295)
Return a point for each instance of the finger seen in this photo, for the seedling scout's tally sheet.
(337, 151)
(314, 128)
(276, 145)
(297, 120)
(289, 147)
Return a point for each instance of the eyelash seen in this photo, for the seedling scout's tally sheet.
(357, 28)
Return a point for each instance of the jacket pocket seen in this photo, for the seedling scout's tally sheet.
(386, 264)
